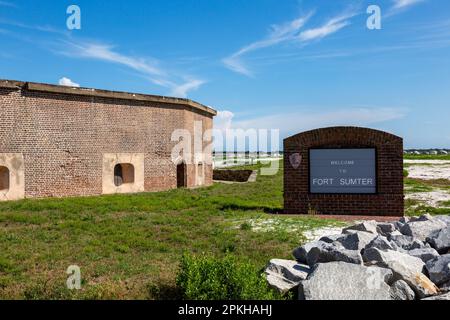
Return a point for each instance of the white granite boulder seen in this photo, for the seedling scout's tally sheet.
(330, 252)
(421, 229)
(385, 229)
(381, 243)
(425, 254)
(284, 275)
(345, 281)
(440, 240)
(300, 254)
(400, 290)
(439, 269)
(357, 240)
(368, 226)
(385, 257)
(442, 297)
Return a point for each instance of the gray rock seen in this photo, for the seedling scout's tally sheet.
(398, 225)
(425, 217)
(406, 242)
(440, 240)
(331, 238)
(395, 233)
(356, 241)
(345, 281)
(439, 269)
(328, 252)
(445, 287)
(368, 226)
(404, 220)
(381, 243)
(422, 229)
(300, 254)
(442, 297)
(422, 286)
(385, 229)
(284, 275)
(445, 219)
(424, 254)
(385, 257)
(400, 290)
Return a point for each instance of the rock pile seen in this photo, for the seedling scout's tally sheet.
(405, 260)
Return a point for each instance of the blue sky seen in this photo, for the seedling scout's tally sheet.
(292, 65)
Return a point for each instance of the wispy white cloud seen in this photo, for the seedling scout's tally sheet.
(331, 26)
(41, 28)
(183, 89)
(401, 4)
(107, 53)
(288, 32)
(150, 68)
(8, 4)
(67, 82)
(298, 121)
(278, 34)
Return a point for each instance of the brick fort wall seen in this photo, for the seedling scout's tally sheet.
(63, 134)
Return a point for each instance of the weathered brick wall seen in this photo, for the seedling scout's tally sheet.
(63, 138)
(386, 202)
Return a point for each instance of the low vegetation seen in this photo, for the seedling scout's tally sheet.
(132, 246)
(414, 207)
(427, 156)
(208, 278)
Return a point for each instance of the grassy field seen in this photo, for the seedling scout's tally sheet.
(427, 157)
(415, 207)
(129, 246)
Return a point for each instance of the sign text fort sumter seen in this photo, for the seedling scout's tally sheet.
(342, 170)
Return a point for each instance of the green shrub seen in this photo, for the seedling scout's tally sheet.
(207, 278)
(405, 173)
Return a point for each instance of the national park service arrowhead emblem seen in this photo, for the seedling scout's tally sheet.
(295, 159)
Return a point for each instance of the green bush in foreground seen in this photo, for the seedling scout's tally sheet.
(208, 278)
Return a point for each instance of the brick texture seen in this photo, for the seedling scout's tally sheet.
(63, 138)
(388, 201)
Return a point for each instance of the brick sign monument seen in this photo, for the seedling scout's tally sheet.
(344, 171)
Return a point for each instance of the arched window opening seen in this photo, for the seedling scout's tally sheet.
(200, 170)
(181, 175)
(4, 178)
(123, 174)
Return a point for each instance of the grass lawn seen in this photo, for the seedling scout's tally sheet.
(129, 246)
(427, 157)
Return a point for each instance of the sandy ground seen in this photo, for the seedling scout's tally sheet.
(429, 169)
(432, 199)
(316, 234)
(427, 161)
